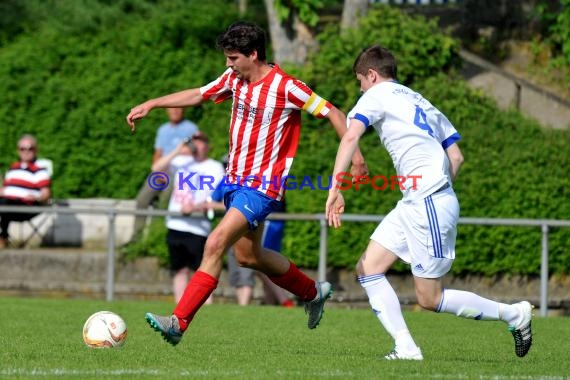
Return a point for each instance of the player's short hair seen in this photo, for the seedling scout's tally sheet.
(243, 37)
(377, 58)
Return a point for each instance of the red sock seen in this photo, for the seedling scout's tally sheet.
(297, 283)
(197, 291)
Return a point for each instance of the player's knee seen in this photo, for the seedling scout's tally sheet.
(215, 246)
(360, 268)
(427, 302)
(246, 262)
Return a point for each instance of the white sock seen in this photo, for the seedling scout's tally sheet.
(509, 314)
(386, 306)
(472, 306)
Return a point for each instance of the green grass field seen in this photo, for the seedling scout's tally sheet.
(41, 338)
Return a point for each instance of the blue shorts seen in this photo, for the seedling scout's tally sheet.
(254, 205)
(273, 234)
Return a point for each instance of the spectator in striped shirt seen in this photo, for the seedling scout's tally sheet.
(25, 184)
(264, 133)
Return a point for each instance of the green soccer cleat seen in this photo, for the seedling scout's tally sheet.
(168, 327)
(315, 308)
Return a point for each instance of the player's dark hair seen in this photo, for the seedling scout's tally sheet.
(243, 37)
(377, 58)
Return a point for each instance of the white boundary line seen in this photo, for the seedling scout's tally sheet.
(38, 372)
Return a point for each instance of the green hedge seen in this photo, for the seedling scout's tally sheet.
(513, 168)
(73, 83)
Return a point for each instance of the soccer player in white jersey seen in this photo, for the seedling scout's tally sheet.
(264, 134)
(421, 229)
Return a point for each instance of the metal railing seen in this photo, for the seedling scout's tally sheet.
(112, 213)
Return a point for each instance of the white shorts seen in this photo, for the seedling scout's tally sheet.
(422, 233)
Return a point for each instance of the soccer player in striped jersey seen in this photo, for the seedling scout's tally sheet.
(264, 134)
(421, 229)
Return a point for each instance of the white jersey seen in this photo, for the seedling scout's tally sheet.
(193, 183)
(414, 132)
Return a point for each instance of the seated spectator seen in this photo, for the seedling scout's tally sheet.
(25, 184)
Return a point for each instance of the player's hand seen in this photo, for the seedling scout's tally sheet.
(137, 113)
(359, 170)
(334, 208)
(30, 198)
(188, 208)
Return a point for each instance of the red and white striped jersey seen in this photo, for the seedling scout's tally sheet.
(265, 126)
(24, 180)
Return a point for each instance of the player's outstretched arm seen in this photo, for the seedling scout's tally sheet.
(186, 98)
(347, 148)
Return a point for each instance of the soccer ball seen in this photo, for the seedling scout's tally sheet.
(104, 329)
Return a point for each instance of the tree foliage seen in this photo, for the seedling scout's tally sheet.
(556, 30)
(71, 83)
(306, 9)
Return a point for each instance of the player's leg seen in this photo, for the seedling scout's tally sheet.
(430, 266)
(285, 274)
(272, 237)
(277, 267)
(256, 206)
(204, 281)
(273, 294)
(371, 269)
(469, 305)
(195, 245)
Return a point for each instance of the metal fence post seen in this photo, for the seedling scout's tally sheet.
(518, 90)
(323, 249)
(111, 255)
(544, 273)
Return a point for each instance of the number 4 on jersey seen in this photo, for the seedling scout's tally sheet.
(420, 120)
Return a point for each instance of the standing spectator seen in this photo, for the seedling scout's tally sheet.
(25, 184)
(187, 234)
(168, 136)
(422, 228)
(264, 134)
